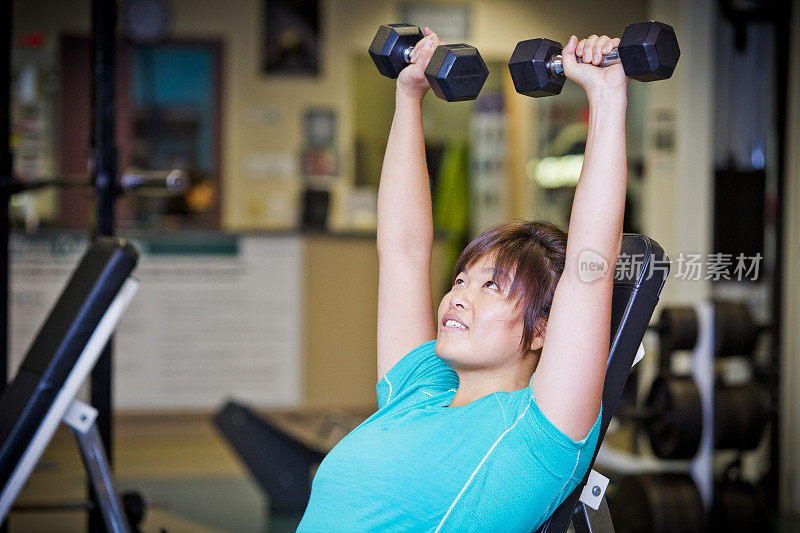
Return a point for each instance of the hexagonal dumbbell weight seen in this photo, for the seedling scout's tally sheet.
(530, 67)
(391, 47)
(647, 50)
(456, 72)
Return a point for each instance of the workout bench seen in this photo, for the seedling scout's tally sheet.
(62, 355)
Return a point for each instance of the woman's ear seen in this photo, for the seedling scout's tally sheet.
(537, 343)
(538, 340)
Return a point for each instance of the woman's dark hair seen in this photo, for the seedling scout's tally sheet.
(532, 254)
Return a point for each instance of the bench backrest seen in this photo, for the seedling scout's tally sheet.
(58, 345)
(640, 274)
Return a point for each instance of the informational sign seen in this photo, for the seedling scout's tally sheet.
(216, 316)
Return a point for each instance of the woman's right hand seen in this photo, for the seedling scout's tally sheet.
(412, 81)
(588, 74)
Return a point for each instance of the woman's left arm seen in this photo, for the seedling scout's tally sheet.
(568, 383)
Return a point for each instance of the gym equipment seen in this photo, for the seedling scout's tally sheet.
(647, 50)
(677, 329)
(456, 72)
(282, 465)
(6, 171)
(106, 189)
(391, 47)
(675, 421)
(671, 503)
(150, 182)
(634, 299)
(658, 503)
(271, 454)
(691, 417)
(135, 505)
(673, 410)
(60, 358)
(735, 329)
(739, 506)
(673, 417)
(741, 413)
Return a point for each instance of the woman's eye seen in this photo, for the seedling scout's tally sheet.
(458, 281)
(491, 285)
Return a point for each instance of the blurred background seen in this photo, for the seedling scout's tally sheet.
(259, 276)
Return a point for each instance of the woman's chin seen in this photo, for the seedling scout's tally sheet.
(446, 350)
(443, 348)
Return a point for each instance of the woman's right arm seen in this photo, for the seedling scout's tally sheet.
(405, 224)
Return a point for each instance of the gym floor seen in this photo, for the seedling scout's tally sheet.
(179, 462)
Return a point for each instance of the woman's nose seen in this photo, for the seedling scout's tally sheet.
(460, 299)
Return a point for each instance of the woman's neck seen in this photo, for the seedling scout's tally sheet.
(477, 383)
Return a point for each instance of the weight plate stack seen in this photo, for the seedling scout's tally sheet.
(741, 413)
(677, 328)
(735, 330)
(739, 507)
(657, 503)
(676, 424)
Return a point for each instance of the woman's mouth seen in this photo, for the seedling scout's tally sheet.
(453, 323)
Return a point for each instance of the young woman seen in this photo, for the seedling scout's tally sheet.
(467, 437)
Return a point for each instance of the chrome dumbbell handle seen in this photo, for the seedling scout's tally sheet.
(556, 66)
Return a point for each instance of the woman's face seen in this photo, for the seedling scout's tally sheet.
(479, 326)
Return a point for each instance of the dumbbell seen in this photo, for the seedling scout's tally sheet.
(455, 72)
(647, 50)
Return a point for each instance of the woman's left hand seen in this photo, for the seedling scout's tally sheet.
(588, 74)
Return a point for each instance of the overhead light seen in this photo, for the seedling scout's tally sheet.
(552, 172)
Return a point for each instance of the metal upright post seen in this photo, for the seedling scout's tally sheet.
(6, 170)
(104, 19)
(701, 467)
(782, 15)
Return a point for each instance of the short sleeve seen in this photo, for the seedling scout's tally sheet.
(419, 367)
(557, 449)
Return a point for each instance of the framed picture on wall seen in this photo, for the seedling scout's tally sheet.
(291, 37)
(320, 126)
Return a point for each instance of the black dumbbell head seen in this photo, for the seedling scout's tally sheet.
(456, 72)
(649, 51)
(388, 45)
(528, 66)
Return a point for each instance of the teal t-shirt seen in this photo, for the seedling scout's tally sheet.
(495, 464)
